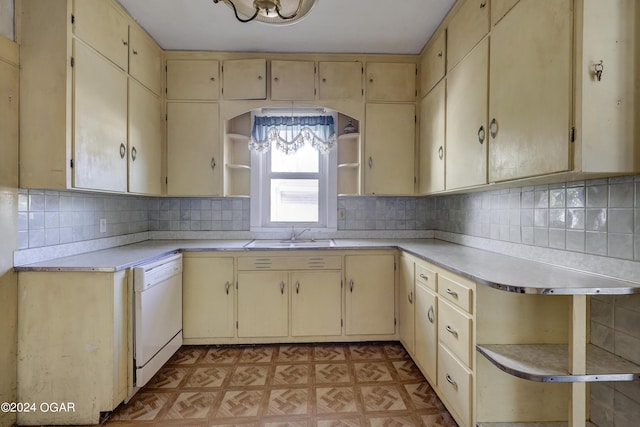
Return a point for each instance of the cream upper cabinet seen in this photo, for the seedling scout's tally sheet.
(340, 80)
(263, 304)
(208, 297)
(193, 79)
(104, 27)
(530, 99)
(100, 122)
(406, 304)
(370, 294)
(145, 140)
(433, 62)
(145, 60)
(432, 141)
(244, 79)
(466, 130)
(293, 80)
(9, 125)
(389, 148)
(316, 303)
(386, 81)
(467, 27)
(499, 8)
(193, 149)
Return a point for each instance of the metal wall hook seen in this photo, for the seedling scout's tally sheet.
(598, 69)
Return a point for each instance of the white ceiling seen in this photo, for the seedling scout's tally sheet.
(332, 26)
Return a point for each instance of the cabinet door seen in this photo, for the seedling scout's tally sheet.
(105, 28)
(145, 60)
(193, 149)
(370, 298)
(316, 303)
(466, 29)
(197, 80)
(391, 82)
(9, 125)
(426, 312)
(340, 80)
(499, 8)
(293, 80)
(99, 122)
(530, 90)
(208, 294)
(244, 79)
(466, 162)
(432, 140)
(389, 148)
(145, 140)
(433, 61)
(263, 304)
(406, 299)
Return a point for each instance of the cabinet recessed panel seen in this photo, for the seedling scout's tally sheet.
(263, 304)
(244, 79)
(316, 303)
(293, 80)
(391, 81)
(340, 80)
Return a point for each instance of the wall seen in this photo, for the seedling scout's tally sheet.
(8, 217)
(6, 19)
(592, 225)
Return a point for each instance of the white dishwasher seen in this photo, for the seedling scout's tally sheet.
(157, 331)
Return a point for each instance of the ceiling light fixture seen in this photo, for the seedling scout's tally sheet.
(270, 11)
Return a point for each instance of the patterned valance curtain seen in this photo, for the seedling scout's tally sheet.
(288, 134)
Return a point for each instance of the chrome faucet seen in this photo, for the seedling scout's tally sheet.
(294, 235)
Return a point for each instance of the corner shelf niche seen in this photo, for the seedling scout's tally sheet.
(348, 158)
(237, 157)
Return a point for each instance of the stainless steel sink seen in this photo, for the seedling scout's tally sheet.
(301, 243)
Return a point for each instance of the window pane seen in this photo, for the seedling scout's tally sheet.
(306, 159)
(294, 200)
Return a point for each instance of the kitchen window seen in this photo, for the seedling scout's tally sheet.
(294, 181)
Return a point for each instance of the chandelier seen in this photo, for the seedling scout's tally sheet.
(270, 11)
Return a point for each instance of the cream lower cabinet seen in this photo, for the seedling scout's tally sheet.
(263, 304)
(73, 343)
(316, 303)
(194, 159)
(208, 298)
(370, 294)
(426, 320)
(406, 306)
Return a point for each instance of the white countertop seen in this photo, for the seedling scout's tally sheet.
(495, 270)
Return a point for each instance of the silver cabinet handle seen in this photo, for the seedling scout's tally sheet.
(439, 54)
(125, 43)
(451, 381)
(483, 4)
(226, 287)
(452, 293)
(441, 153)
(275, 79)
(452, 331)
(351, 285)
(410, 297)
(259, 77)
(324, 80)
(282, 288)
(493, 128)
(213, 79)
(135, 52)
(430, 314)
(134, 154)
(424, 277)
(370, 162)
(481, 134)
(297, 287)
(123, 151)
(213, 163)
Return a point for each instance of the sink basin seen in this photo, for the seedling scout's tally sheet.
(302, 243)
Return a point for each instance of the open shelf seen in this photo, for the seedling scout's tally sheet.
(237, 157)
(549, 363)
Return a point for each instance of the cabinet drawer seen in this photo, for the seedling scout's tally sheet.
(455, 331)
(426, 276)
(290, 263)
(457, 290)
(455, 382)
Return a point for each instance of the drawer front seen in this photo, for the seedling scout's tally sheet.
(290, 263)
(455, 382)
(455, 331)
(426, 276)
(456, 290)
